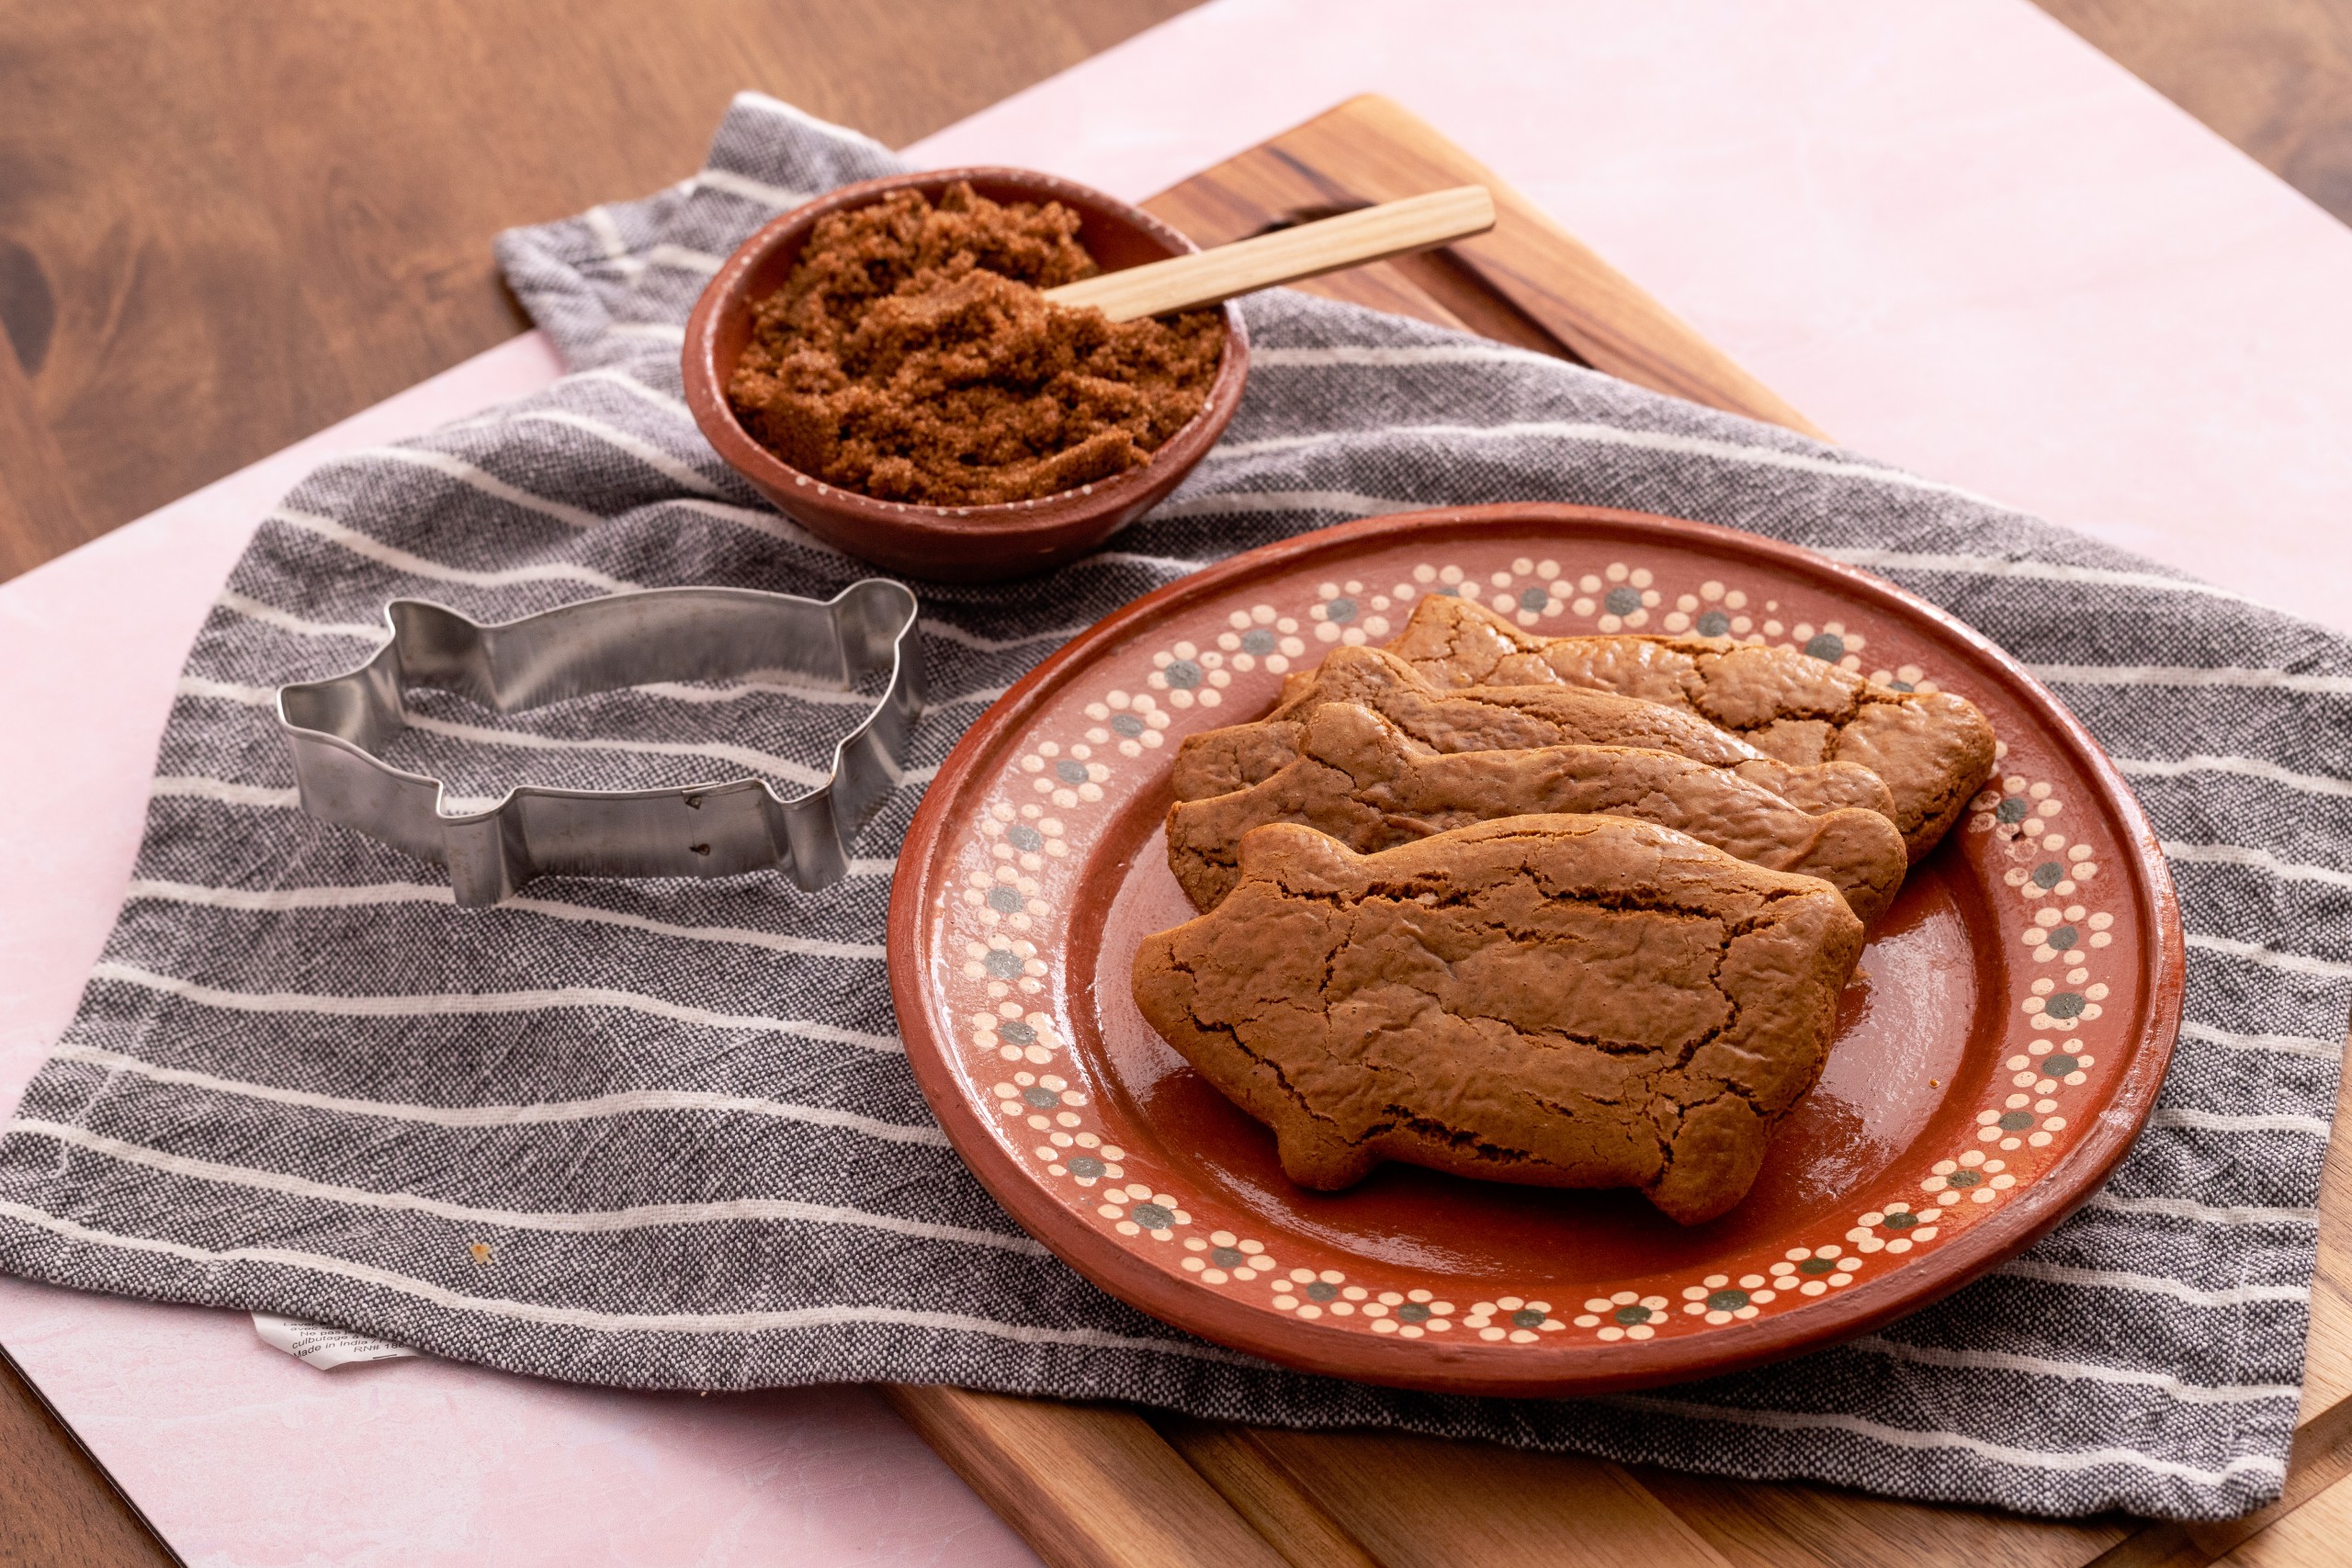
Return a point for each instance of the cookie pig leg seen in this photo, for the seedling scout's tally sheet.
(1716, 1152)
(1861, 855)
(1315, 1155)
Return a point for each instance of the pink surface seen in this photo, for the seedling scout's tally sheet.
(242, 1455)
(113, 620)
(1958, 237)
(237, 1453)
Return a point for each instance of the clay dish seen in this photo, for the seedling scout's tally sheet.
(960, 544)
(2001, 1043)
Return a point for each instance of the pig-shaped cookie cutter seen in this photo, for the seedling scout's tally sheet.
(334, 728)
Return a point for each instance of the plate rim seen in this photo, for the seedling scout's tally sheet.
(1473, 1367)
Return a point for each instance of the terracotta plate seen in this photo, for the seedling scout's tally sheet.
(1999, 1046)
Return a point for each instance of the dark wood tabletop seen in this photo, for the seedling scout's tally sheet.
(223, 226)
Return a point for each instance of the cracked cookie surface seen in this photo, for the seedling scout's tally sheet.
(1933, 749)
(1358, 778)
(1565, 1001)
(1501, 718)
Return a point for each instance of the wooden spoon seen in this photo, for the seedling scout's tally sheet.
(1204, 278)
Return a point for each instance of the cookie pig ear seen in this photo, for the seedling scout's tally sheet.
(1301, 860)
(1365, 674)
(1354, 740)
(1471, 616)
(1456, 631)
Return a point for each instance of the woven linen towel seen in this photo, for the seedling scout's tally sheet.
(662, 1134)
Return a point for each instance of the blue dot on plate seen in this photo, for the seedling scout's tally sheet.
(1004, 900)
(1339, 609)
(1184, 674)
(1257, 639)
(1715, 623)
(1024, 836)
(1827, 646)
(1624, 601)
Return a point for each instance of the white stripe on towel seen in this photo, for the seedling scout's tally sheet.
(2213, 1122)
(595, 1222)
(375, 549)
(750, 189)
(459, 1004)
(2151, 1285)
(390, 893)
(618, 1322)
(2193, 675)
(644, 451)
(2203, 1213)
(1588, 434)
(222, 790)
(2270, 958)
(2076, 1371)
(628, 1102)
(2245, 767)
(479, 479)
(2285, 1044)
(2254, 860)
(1906, 1437)
(270, 614)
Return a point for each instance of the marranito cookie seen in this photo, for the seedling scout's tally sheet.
(1500, 719)
(1934, 749)
(1561, 1001)
(1357, 778)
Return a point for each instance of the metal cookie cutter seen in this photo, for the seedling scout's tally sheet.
(333, 728)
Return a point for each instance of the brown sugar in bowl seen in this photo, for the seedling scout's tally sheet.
(957, 544)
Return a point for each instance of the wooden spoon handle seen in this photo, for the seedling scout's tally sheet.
(1182, 282)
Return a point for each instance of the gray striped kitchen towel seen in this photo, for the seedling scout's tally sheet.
(663, 1135)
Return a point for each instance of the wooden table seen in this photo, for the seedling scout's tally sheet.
(222, 228)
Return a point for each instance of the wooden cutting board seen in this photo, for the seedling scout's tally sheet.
(1105, 1486)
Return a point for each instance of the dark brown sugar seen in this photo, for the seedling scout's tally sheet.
(910, 356)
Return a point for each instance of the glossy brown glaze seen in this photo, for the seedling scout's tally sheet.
(958, 544)
(1920, 1035)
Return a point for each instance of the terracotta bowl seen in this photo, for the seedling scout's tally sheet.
(960, 544)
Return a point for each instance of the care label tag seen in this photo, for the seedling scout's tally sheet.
(325, 1349)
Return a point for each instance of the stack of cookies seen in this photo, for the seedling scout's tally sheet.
(1565, 911)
